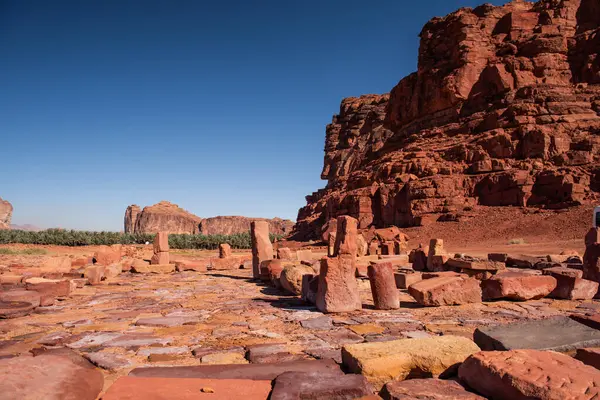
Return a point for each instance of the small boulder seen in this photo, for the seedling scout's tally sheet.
(518, 286)
(291, 277)
(446, 291)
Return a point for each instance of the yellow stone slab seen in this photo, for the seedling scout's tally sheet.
(367, 329)
(381, 362)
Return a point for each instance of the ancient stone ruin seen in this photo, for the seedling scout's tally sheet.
(502, 111)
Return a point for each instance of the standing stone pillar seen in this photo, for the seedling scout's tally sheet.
(436, 248)
(346, 236)
(262, 249)
(331, 245)
(591, 257)
(224, 250)
(383, 286)
(337, 289)
(161, 249)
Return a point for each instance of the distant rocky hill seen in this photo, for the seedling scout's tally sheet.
(25, 227)
(6, 210)
(229, 225)
(504, 110)
(168, 217)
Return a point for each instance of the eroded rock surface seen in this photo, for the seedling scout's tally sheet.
(502, 111)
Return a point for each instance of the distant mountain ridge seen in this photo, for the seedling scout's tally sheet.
(167, 217)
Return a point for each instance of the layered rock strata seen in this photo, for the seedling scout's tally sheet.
(504, 110)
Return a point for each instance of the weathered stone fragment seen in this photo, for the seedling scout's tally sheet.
(383, 286)
(161, 242)
(225, 250)
(285, 253)
(160, 258)
(570, 286)
(133, 388)
(94, 274)
(291, 277)
(316, 385)
(310, 287)
(427, 389)
(338, 290)
(590, 356)
(346, 236)
(442, 291)
(262, 249)
(237, 371)
(51, 377)
(529, 374)
(517, 286)
(154, 269)
(405, 279)
(381, 362)
(558, 334)
(21, 295)
(436, 248)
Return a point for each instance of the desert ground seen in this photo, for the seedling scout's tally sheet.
(130, 320)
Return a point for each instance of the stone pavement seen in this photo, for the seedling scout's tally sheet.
(187, 319)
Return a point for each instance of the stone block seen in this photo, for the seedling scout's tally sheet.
(560, 334)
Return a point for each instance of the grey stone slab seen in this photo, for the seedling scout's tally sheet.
(320, 323)
(558, 334)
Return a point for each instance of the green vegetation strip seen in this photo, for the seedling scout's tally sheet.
(60, 237)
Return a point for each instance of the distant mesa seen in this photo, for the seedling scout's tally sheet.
(167, 217)
(25, 227)
(6, 210)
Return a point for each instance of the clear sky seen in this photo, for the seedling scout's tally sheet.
(218, 106)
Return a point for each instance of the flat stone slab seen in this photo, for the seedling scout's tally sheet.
(108, 361)
(52, 377)
(429, 389)
(133, 388)
(529, 374)
(166, 321)
(14, 309)
(320, 323)
(319, 385)
(237, 371)
(558, 334)
(381, 362)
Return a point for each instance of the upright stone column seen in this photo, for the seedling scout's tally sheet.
(338, 290)
(262, 249)
(161, 249)
(346, 236)
(591, 258)
(383, 286)
(331, 245)
(436, 248)
(224, 250)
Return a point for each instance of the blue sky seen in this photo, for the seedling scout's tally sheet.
(219, 107)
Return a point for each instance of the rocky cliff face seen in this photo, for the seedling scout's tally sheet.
(6, 211)
(231, 225)
(161, 217)
(167, 217)
(504, 110)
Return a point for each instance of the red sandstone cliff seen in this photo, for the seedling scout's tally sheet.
(161, 217)
(6, 211)
(168, 217)
(230, 225)
(503, 110)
